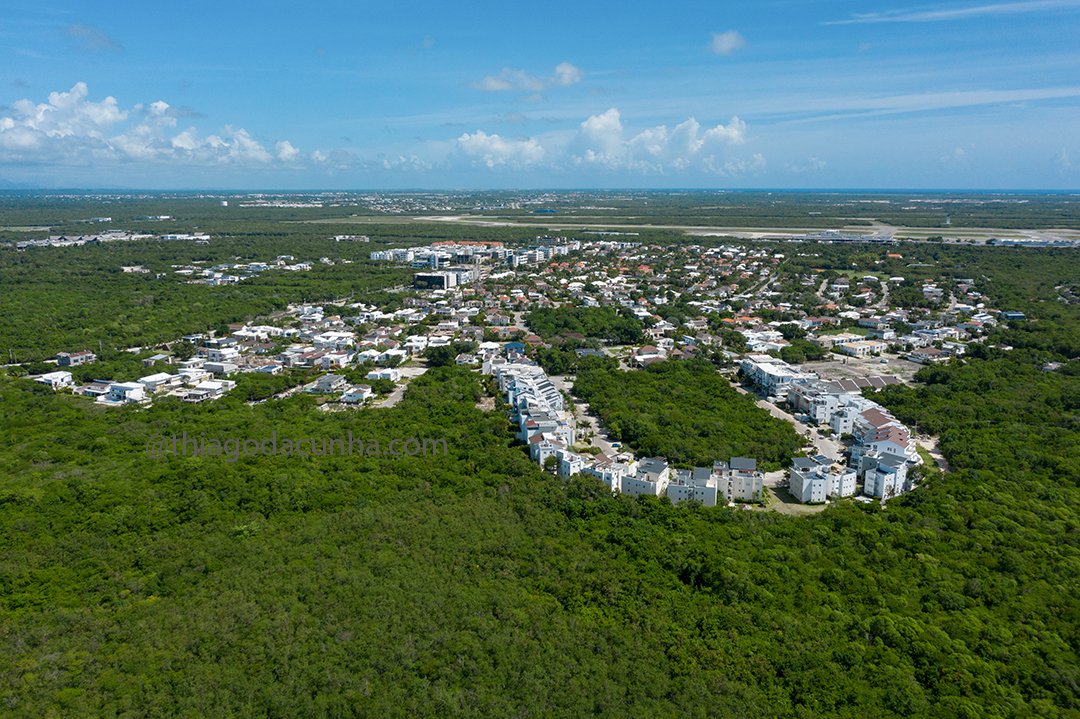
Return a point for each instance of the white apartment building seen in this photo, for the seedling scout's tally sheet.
(124, 393)
(697, 484)
(813, 483)
(652, 477)
(739, 479)
(771, 375)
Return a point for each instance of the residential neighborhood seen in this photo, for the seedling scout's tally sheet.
(807, 344)
(766, 405)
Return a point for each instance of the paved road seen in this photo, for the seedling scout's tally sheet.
(883, 303)
(770, 277)
(828, 446)
(821, 291)
(287, 393)
(393, 398)
(407, 374)
(584, 420)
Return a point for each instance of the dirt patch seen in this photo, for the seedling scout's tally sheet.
(856, 367)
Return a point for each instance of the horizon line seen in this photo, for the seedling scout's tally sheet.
(419, 190)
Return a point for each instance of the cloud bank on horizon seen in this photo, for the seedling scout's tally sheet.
(831, 94)
(70, 128)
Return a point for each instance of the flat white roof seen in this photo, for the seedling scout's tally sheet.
(158, 377)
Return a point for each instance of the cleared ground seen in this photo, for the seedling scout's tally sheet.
(778, 499)
(854, 368)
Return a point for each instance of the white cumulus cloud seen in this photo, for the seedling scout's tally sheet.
(403, 163)
(725, 43)
(67, 114)
(564, 75)
(736, 166)
(602, 137)
(286, 152)
(244, 147)
(72, 128)
(567, 74)
(496, 151)
(811, 165)
(603, 141)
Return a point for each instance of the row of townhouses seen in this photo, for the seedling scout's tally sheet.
(882, 449)
(547, 426)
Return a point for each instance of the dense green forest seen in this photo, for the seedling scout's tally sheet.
(603, 323)
(475, 585)
(67, 299)
(684, 411)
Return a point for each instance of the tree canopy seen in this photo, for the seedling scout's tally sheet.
(473, 584)
(684, 411)
(603, 323)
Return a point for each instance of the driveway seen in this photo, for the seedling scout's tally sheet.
(830, 447)
(584, 420)
(287, 393)
(408, 372)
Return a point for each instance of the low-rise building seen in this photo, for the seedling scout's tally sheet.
(651, 478)
(194, 375)
(812, 482)
(329, 383)
(836, 340)
(862, 348)
(806, 484)
(221, 369)
(928, 355)
(740, 480)
(357, 394)
(222, 354)
(208, 390)
(697, 485)
(56, 380)
(771, 375)
(94, 389)
(74, 359)
(334, 360)
(334, 340)
(571, 463)
(124, 393)
(160, 381)
(884, 476)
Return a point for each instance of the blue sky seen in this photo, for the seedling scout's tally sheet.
(773, 93)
